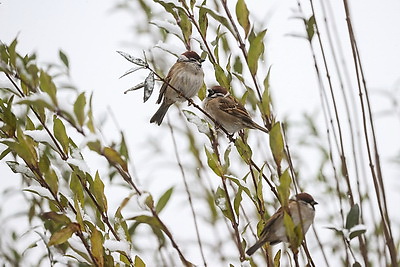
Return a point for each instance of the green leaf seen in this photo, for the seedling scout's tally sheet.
(96, 240)
(221, 202)
(255, 51)
(242, 14)
(56, 217)
(357, 233)
(63, 58)
(276, 143)
(284, 187)
(138, 262)
(52, 180)
(226, 158)
(213, 163)
(221, 19)
(237, 201)
(76, 188)
(164, 200)
(244, 150)
(78, 206)
(203, 20)
(47, 86)
(61, 134)
(79, 109)
(64, 234)
(353, 217)
(357, 264)
(221, 77)
(185, 25)
(277, 259)
(98, 191)
(266, 99)
(310, 26)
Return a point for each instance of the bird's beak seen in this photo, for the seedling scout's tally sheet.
(202, 60)
(315, 203)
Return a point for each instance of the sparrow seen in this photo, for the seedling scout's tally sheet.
(227, 111)
(274, 230)
(186, 75)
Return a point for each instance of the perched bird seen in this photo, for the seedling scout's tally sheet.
(186, 75)
(274, 230)
(227, 111)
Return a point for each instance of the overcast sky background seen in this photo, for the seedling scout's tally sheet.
(90, 34)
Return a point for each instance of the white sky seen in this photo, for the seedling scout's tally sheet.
(90, 34)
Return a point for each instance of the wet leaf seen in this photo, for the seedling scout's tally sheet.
(136, 87)
(98, 191)
(213, 163)
(61, 134)
(148, 86)
(244, 150)
(64, 234)
(357, 233)
(131, 71)
(96, 241)
(134, 60)
(115, 158)
(202, 125)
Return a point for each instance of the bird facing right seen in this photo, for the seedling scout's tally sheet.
(185, 76)
(227, 111)
(274, 230)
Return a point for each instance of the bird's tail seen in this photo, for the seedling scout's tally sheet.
(256, 126)
(256, 246)
(160, 114)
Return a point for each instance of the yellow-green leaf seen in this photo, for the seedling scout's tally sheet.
(255, 51)
(79, 109)
(98, 191)
(162, 202)
(47, 85)
(139, 262)
(52, 180)
(221, 77)
(277, 259)
(203, 20)
(242, 14)
(96, 241)
(114, 157)
(61, 134)
(284, 187)
(244, 150)
(64, 234)
(266, 100)
(276, 143)
(213, 163)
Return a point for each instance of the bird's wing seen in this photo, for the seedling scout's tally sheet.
(234, 108)
(163, 88)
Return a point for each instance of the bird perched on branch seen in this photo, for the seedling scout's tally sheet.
(228, 112)
(274, 230)
(185, 76)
